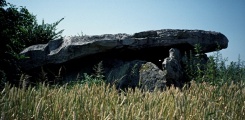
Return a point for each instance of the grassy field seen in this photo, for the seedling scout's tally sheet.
(200, 101)
(215, 93)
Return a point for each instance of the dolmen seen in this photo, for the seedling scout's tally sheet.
(149, 60)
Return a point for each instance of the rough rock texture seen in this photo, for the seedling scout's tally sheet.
(124, 74)
(172, 67)
(128, 60)
(141, 45)
(151, 77)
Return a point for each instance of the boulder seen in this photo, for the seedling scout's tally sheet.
(143, 45)
(151, 77)
(123, 74)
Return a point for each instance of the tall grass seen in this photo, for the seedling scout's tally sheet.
(215, 92)
(200, 101)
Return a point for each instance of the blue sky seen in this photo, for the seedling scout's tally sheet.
(95, 17)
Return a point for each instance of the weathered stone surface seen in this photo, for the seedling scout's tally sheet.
(124, 74)
(172, 67)
(128, 60)
(151, 77)
(141, 45)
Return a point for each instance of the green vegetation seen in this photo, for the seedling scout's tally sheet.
(19, 29)
(215, 71)
(216, 91)
(91, 98)
(200, 101)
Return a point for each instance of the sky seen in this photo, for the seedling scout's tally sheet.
(96, 17)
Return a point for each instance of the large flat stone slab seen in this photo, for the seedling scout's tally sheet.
(141, 44)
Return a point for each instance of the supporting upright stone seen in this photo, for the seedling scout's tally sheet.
(172, 67)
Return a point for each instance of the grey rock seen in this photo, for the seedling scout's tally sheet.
(172, 67)
(141, 45)
(151, 77)
(124, 74)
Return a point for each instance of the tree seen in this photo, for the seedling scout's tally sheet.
(3, 3)
(18, 30)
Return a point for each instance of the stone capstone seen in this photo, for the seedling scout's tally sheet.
(149, 59)
(137, 46)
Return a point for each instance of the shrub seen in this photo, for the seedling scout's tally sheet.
(97, 78)
(215, 71)
(19, 29)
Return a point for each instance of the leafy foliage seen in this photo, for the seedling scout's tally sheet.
(97, 78)
(99, 71)
(3, 3)
(90, 80)
(18, 30)
(215, 71)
